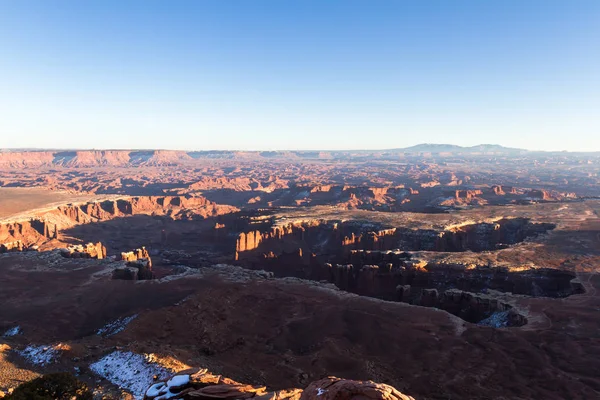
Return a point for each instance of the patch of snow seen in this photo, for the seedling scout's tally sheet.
(130, 371)
(162, 391)
(496, 320)
(116, 326)
(178, 381)
(39, 355)
(156, 389)
(12, 331)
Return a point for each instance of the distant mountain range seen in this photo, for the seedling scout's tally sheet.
(17, 158)
(452, 148)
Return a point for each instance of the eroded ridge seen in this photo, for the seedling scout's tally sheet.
(358, 257)
(48, 224)
(339, 237)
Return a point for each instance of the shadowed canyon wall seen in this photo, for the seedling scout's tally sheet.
(50, 223)
(341, 237)
(358, 258)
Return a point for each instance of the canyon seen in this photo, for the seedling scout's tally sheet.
(469, 273)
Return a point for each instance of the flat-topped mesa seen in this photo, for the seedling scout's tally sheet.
(92, 158)
(540, 194)
(467, 194)
(321, 188)
(202, 384)
(89, 250)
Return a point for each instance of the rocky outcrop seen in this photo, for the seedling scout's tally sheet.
(28, 231)
(89, 250)
(548, 195)
(135, 255)
(11, 246)
(332, 388)
(467, 195)
(206, 386)
(321, 189)
(138, 265)
(498, 190)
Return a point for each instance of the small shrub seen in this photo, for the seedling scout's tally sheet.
(59, 386)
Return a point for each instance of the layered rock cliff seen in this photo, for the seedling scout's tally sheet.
(341, 238)
(49, 223)
(92, 158)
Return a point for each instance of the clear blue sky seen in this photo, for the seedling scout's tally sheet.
(284, 74)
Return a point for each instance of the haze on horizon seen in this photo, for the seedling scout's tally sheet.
(310, 75)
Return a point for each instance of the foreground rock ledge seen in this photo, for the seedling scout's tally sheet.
(204, 385)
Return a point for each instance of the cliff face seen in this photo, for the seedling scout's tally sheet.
(27, 232)
(33, 159)
(341, 238)
(92, 158)
(290, 237)
(458, 289)
(48, 225)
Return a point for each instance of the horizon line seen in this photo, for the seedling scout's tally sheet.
(455, 146)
